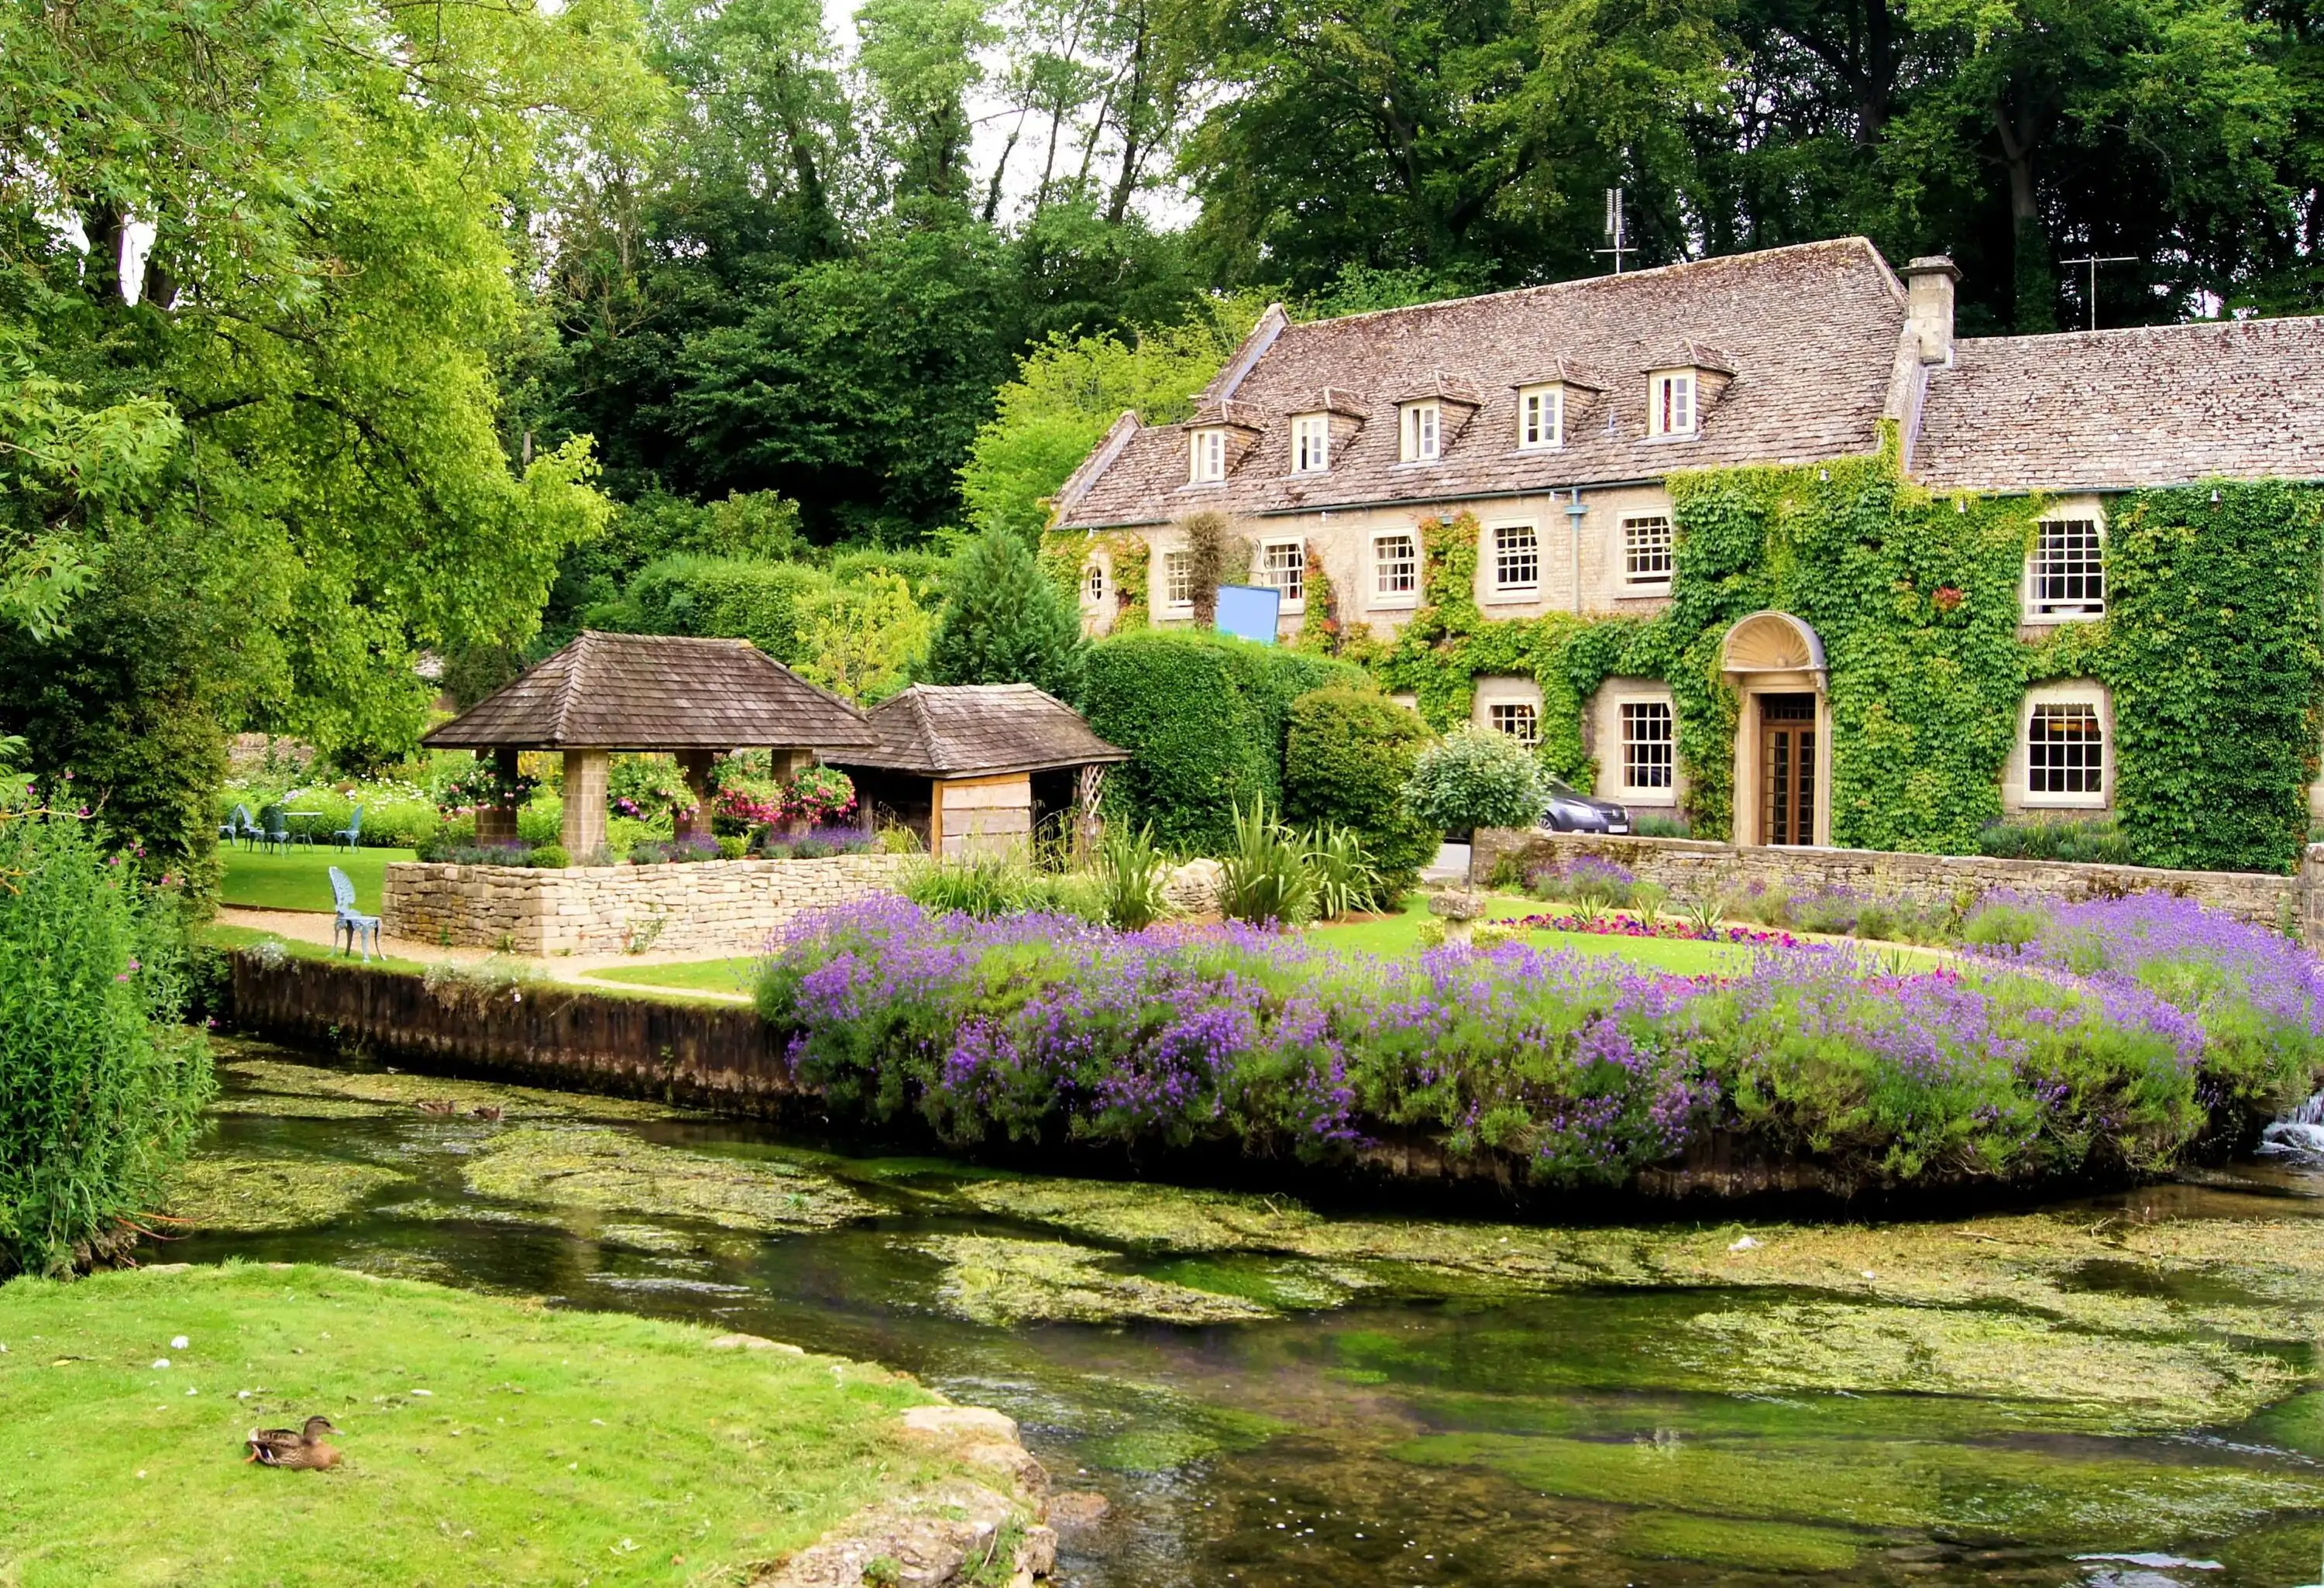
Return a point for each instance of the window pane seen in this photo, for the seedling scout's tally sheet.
(1646, 549)
(1177, 577)
(1396, 564)
(2068, 570)
(2065, 750)
(1648, 744)
(1284, 565)
(1094, 583)
(1311, 444)
(1516, 718)
(1517, 557)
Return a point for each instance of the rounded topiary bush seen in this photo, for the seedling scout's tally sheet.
(1476, 779)
(101, 1089)
(1346, 754)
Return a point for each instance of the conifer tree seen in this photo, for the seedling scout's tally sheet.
(1005, 622)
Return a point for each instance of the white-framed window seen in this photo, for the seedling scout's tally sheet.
(1541, 416)
(1424, 431)
(1520, 720)
(1178, 578)
(1517, 557)
(1647, 549)
(2065, 752)
(1311, 443)
(1283, 565)
(1396, 568)
(1094, 583)
(2068, 576)
(1649, 745)
(1670, 403)
(1207, 464)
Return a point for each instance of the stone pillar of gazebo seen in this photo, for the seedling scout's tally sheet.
(694, 766)
(585, 803)
(495, 822)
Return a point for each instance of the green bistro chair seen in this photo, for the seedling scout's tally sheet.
(238, 827)
(352, 833)
(276, 831)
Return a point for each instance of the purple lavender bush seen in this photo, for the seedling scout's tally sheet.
(1562, 1069)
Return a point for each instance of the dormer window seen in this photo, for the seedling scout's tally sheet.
(1424, 431)
(1311, 443)
(1541, 416)
(1670, 403)
(1208, 464)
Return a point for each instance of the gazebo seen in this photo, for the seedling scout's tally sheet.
(971, 767)
(695, 699)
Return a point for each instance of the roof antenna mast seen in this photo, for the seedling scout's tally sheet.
(1616, 233)
(2094, 261)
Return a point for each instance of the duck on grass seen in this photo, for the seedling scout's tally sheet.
(2096, 1040)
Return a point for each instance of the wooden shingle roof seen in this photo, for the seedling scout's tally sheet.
(978, 730)
(657, 692)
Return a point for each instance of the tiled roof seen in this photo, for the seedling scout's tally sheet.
(2154, 405)
(978, 730)
(657, 692)
(1811, 333)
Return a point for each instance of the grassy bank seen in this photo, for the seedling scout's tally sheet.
(484, 1441)
(297, 878)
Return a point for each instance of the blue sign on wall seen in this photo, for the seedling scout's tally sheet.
(1249, 612)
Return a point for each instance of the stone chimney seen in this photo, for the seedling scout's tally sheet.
(1929, 306)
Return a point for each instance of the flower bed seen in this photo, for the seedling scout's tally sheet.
(2089, 1044)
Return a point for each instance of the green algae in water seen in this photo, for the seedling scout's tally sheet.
(992, 1281)
(1762, 1546)
(1987, 1494)
(1168, 1440)
(1278, 1285)
(254, 1076)
(2123, 1383)
(277, 1106)
(616, 1172)
(241, 1192)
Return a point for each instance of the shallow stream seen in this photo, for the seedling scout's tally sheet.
(2119, 1392)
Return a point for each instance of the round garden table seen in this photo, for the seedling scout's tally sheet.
(303, 815)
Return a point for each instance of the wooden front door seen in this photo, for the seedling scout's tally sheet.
(1787, 768)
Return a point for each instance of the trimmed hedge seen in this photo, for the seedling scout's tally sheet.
(1346, 755)
(1204, 719)
(723, 596)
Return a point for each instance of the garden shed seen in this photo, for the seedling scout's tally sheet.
(695, 699)
(974, 768)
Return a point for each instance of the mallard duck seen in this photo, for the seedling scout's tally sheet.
(490, 1111)
(438, 1106)
(303, 1449)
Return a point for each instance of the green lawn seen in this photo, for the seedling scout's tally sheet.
(701, 976)
(483, 1440)
(296, 879)
(224, 937)
(1399, 934)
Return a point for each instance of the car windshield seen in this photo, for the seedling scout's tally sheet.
(1560, 789)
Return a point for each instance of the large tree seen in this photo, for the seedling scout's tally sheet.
(259, 278)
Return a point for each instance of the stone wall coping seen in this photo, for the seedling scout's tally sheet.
(438, 870)
(1501, 840)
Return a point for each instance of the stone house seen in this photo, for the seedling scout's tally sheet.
(1554, 417)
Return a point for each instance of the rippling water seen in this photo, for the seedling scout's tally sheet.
(2135, 1419)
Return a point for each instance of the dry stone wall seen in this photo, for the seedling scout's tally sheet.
(710, 907)
(1693, 868)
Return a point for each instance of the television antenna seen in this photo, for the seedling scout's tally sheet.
(2094, 261)
(1616, 232)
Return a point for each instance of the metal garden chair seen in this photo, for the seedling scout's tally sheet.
(238, 828)
(359, 929)
(352, 833)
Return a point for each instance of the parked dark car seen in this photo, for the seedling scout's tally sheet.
(1572, 812)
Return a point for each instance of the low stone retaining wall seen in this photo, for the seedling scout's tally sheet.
(710, 907)
(709, 1056)
(1692, 868)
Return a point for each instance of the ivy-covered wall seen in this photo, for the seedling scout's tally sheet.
(2212, 650)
